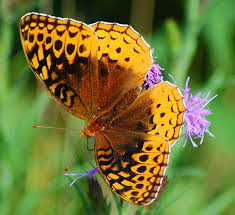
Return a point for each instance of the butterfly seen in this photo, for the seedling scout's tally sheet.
(96, 73)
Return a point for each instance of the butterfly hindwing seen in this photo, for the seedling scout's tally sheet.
(124, 58)
(137, 144)
(158, 111)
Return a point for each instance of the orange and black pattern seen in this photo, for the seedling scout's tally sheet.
(96, 72)
(82, 66)
(124, 58)
(167, 112)
(60, 53)
(133, 164)
(158, 111)
(137, 144)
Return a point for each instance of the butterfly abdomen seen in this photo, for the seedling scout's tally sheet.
(104, 120)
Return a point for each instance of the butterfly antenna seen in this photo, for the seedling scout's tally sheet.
(66, 170)
(38, 126)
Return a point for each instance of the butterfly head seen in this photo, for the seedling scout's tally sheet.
(87, 133)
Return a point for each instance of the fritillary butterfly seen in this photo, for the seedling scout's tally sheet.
(96, 72)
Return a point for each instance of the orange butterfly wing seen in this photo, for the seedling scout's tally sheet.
(96, 72)
(132, 163)
(87, 69)
(159, 110)
(62, 54)
(132, 155)
(124, 59)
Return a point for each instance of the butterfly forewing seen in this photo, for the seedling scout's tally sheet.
(132, 164)
(62, 53)
(87, 69)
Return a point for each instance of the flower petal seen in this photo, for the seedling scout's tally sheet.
(90, 174)
(195, 117)
(154, 75)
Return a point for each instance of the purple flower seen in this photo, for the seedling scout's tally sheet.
(195, 116)
(154, 75)
(90, 174)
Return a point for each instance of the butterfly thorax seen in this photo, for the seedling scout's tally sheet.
(105, 120)
(96, 125)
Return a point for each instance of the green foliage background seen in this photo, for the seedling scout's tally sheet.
(190, 37)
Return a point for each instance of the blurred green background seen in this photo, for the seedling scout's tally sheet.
(190, 37)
